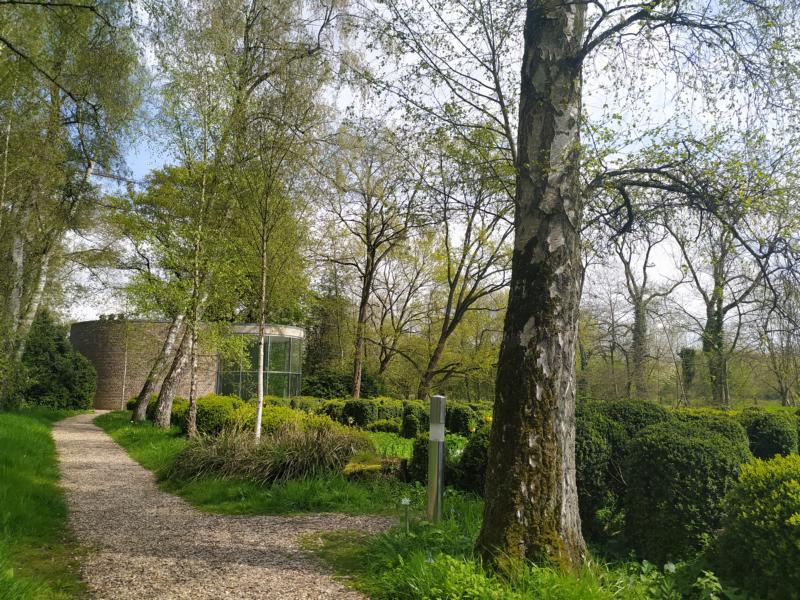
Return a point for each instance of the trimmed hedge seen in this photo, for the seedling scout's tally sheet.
(633, 415)
(678, 474)
(460, 418)
(770, 433)
(473, 460)
(759, 547)
(592, 460)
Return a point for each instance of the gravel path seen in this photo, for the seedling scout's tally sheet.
(149, 544)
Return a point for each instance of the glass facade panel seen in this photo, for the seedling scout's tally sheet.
(279, 354)
(249, 385)
(228, 383)
(297, 356)
(282, 365)
(276, 384)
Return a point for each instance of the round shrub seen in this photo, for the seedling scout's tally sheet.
(415, 419)
(473, 460)
(633, 415)
(716, 421)
(387, 408)
(359, 412)
(759, 547)
(272, 417)
(770, 433)
(386, 425)
(460, 419)
(180, 408)
(589, 416)
(677, 475)
(592, 457)
(214, 413)
(333, 408)
(410, 426)
(417, 469)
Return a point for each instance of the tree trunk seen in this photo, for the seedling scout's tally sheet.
(358, 346)
(35, 301)
(424, 388)
(714, 349)
(169, 387)
(639, 349)
(140, 410)
(531, 508)
(191, 414)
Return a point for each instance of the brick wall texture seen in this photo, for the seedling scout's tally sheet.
(123, 353)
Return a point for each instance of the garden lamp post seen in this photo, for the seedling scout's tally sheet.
(436, 458)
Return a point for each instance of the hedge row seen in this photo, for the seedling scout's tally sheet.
(408, 418)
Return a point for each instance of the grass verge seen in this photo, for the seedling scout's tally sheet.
(38, 556)
(156, 449)
(427, 561)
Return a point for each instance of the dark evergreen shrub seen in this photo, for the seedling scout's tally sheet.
(417, 469)
(410, 426)
(592, 461)
(393, 425)
(473, 460)
(415, 419)
(327, 384)
(677, 475)
(759, 548)
(717, 421)
(460, 418)
(770, 433)
(633, 415)
(359, 412)
(333, 409)
(54, 374)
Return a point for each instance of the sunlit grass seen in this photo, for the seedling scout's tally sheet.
(38, 557)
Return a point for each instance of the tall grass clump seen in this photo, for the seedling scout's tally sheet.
(293, 451)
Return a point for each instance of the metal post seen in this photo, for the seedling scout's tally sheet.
(436, 459)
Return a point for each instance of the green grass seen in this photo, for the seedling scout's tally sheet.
(436, 561)
(391, 444)
(155, 449)
(38, 557)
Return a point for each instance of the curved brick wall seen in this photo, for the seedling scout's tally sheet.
(123, 352)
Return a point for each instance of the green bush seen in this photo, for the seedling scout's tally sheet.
(460, 418)
(326, 384)
(386, 425)
(601, 486)
(359, 412)
(677, 475)
(417, 467)
(214, 412)
(317, 448)
(717, 421)
(759, 547)
(770, 433)
(415, 419)
(592, 460)
(333, 409)
(633, 415)
(53, 374)
(473, 460)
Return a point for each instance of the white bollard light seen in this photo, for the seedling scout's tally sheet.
(436, 458)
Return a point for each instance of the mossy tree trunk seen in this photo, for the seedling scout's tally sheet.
(531, 508)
